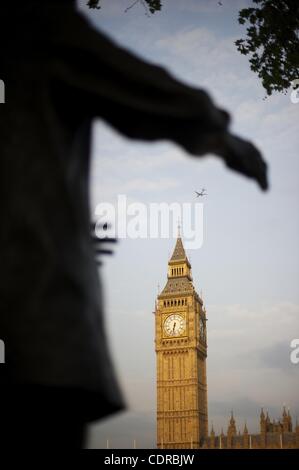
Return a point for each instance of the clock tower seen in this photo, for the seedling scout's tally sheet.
(181, 351)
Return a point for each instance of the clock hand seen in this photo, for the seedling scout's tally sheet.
(173, 327)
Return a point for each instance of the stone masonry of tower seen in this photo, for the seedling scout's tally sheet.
(181, 351)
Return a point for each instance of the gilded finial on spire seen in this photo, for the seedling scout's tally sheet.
(179, 228)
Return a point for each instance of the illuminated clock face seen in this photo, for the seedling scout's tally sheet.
(174, 325)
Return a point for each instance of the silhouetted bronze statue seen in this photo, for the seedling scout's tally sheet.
(59, 74)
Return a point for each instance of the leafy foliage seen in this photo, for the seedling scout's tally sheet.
(151, 5)
(272, 42)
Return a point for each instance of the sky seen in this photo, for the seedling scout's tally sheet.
(248, 265)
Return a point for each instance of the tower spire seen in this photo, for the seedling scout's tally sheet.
(179, 278)
(245, 428)
(179, 253)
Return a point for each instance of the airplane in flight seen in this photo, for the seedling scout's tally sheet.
(201, 193)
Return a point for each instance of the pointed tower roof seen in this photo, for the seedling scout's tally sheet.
(179, 253)
(179, 279)
(245, 428)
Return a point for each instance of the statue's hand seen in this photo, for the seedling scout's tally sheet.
(238, 154)
(244, 157)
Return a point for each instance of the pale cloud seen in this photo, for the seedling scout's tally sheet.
(143, 185)
(253, 345)
(188, 41)
(112, 187)
(256, 327)
(206, 60)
